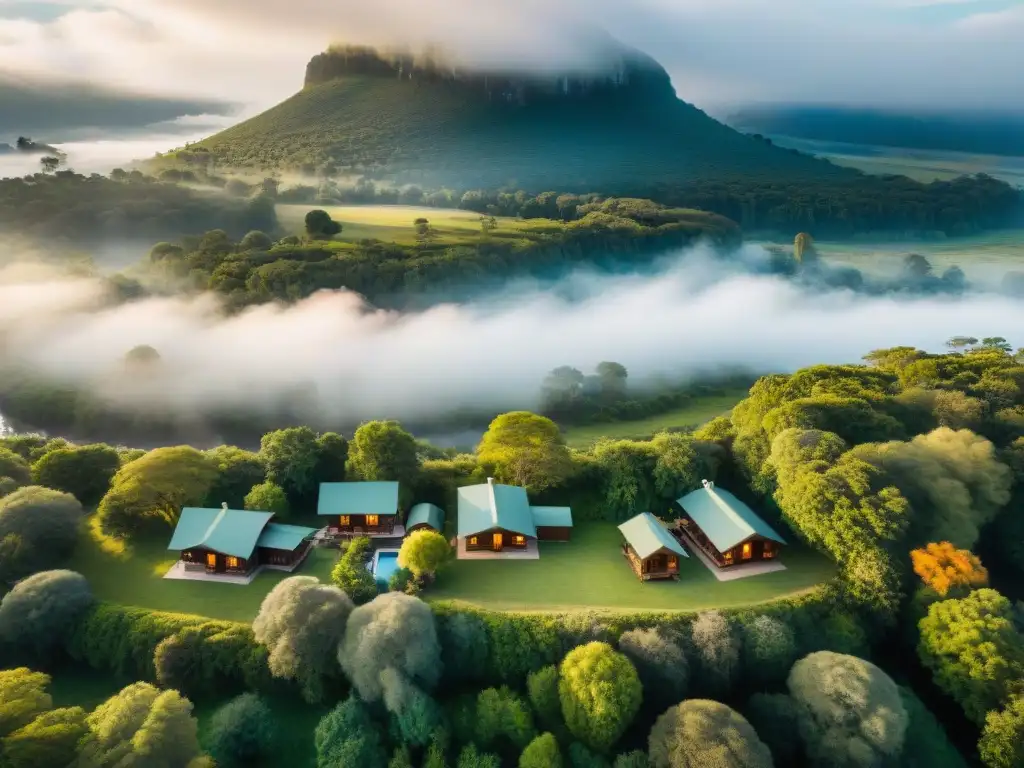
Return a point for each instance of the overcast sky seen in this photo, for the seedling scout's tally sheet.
(719, 52)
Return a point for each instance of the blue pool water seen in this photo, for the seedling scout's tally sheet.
(387, 564)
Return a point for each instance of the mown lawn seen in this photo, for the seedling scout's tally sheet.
(590, 572)
(394, 223)
(135, 577)
(700, 411)
(295, 720)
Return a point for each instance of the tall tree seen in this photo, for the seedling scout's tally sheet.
(525, 449)
(148, 494)
(612, 378)
(237, 472)
(382, 450)
(291, 457)
(948, 570)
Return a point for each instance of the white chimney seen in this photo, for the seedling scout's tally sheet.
(490, 481)
(223, 505)
(708, 485)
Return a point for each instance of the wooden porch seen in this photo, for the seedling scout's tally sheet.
(657, 566)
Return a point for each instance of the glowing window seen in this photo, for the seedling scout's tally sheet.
(472, 540)
(672, 562)
(346, 520)
(211, 560)
(373, 519)
(520, 539)
(728, 557)
(232, 562)
(747, 551)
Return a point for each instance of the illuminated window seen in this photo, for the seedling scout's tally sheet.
(728, 557)
(373, 519)
(346, 520)
(232, 562)
(672, 562)
(747, 551)
(472, 540)
(211, 560)
(520, 540)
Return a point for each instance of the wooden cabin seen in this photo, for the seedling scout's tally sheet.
(499, 517)
(429, 517)
(237, 541)
(651, 551)
(725, 529)
(360, 508)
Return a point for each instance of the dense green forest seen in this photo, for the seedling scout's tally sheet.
(902, 470)
(80, 211)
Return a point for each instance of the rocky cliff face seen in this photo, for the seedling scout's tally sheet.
(624, 73)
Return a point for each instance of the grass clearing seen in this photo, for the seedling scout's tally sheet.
(590, 573)
(394, 223)
(295, 720)
(700, 411)
(135, 577)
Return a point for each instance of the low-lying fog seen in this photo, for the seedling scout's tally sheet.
(347, 362)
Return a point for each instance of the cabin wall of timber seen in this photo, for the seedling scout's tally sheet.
(760, 549)
(486, 540)
(270, 556)
(554, 533)
(198, 558)
(357, 524)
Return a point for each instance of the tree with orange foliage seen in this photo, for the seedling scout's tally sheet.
(945, 568)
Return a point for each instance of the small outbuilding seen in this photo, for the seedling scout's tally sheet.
(725, 529)
(360, 508)
(497, 517)
(652, 552)
(425, 516)
(237, 541)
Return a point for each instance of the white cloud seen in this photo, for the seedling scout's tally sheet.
(718, 51)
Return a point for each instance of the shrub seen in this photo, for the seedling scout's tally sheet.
(241, 732)
(267, 497)
(423, 552)
(301, 622)
(351, 574)
(1002, 741)
(600, 694)
(542, 687)
(542, 752)
(700, 732)
(38, 613)
(83, 472)
(39, 528)
(660, 663)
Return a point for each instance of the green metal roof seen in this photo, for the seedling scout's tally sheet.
(646, 535)
(426, 514)
(228, 531)
(725, 520)
(278, 536)
(363, 498)
(555, 517)
(487, 506)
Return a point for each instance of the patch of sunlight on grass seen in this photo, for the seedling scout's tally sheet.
(163, 567)
(107, 544)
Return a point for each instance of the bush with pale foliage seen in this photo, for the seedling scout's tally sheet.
(301, 621)
(849, 711)
(700, 733)
(946, 569)
(600, 693)
(39, 612)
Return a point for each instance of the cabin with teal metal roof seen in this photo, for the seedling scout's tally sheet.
(497, 517)
(360, 508)
(237, 541)
(426, 517)
(725, 529)
(651, 551)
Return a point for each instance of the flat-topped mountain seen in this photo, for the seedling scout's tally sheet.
(616, 126)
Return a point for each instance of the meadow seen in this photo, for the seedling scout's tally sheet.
(590, 573)
(699, 411)
(394, 224)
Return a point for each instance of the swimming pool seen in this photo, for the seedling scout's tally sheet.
(385, 563)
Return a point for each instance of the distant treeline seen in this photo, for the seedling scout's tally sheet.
(77, 209)
(979, 132)
(841, 208)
